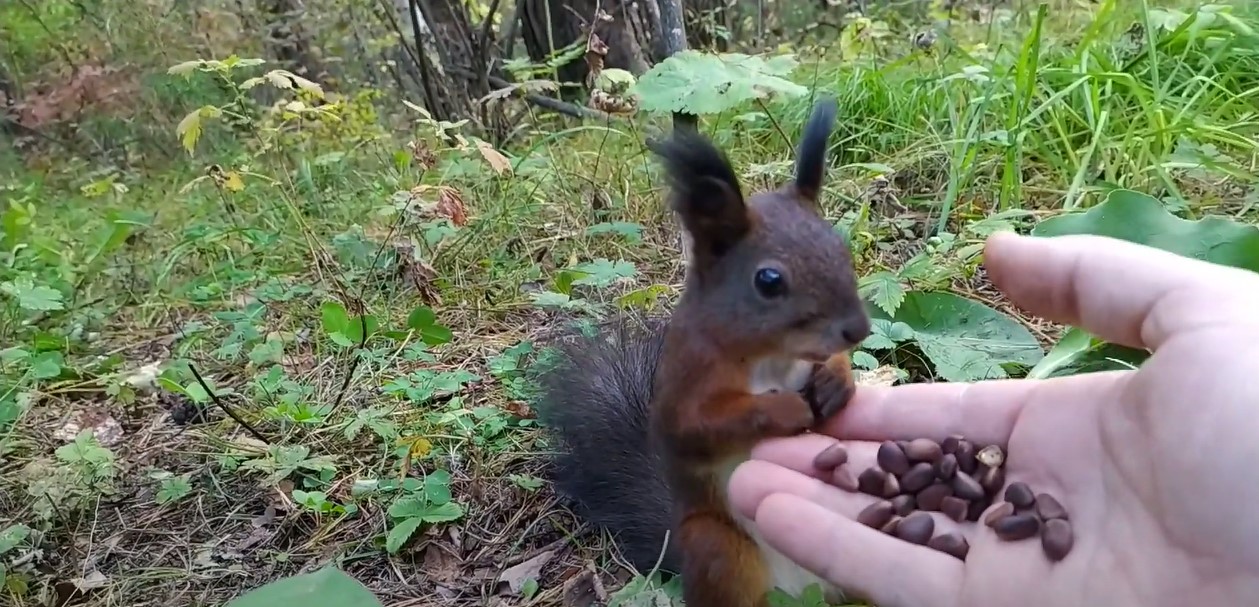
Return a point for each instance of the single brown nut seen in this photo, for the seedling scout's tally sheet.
(966, 487)
(904, 503)
(966, 461)
(991, 456)
(929, 499)
(876, 515)
(950, 543)
(946, 467)
(923, 450)
(916, 528)
(892, 459)
(890, 527)
(992, 480)
(917, 478)
(1017, 527)
(1019, 494)
(842, 477)
(949, 445)
(1056, 539)
(954, 508)
(833, 457)
(871, 482)
(1002, 510)
(1049, 508)
(976, 510)
(891, 486)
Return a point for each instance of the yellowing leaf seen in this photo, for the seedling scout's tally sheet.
(279, 79)
(189, 130)
(252, 82)
(417, 108)
(307, 85)
(420, 447)
(183, 69)
(295, 106)
(233, 182)
(497, 161)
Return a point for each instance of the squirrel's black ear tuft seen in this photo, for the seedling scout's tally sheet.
(706, 191)
(811, 156)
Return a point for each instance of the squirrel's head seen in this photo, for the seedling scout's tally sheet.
(768, 273)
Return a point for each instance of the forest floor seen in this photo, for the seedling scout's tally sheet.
(412, 460)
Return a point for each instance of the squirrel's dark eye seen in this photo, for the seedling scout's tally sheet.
(770, 282)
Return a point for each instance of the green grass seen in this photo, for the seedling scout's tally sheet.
(124, 289)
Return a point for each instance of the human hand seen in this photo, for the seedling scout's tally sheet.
(1157, 467)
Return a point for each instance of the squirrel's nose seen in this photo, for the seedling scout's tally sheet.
(856, 330)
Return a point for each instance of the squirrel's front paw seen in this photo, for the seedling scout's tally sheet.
(784, 414)
(829, 392)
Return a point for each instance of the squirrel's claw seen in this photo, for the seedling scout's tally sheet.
(828, 392)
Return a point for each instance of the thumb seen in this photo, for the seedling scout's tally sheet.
(1126, 293)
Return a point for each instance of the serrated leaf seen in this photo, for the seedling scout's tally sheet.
(189, 129)
(400, 533)
(864, 360)
(964, 339)
(183, 69)
(32, 297)
(603, 272)
(1136, 217)
(327, 587)
(695, 82)
(233, 182)
(12, 536)
(883, 289)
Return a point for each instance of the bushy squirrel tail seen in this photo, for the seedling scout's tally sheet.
(594, 394)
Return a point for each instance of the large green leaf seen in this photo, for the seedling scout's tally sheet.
(964, 339)
(327, 587)
(695, 82)
(1136, 217)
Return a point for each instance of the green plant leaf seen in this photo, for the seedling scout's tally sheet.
(12, 536)
(32, 297)
(335, 319)
(1136, 217)
(602, 272)
(695, 82)
(964, 339)
(401, 532)
(883, 289)
(1074, 344)
(424, 321)
(327, 587)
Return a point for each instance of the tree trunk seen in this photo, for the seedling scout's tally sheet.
(287, 40)
(548, 26)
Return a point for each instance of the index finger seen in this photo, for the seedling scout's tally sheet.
(985, 412)
(1126, 293)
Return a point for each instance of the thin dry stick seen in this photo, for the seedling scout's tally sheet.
(222, 405)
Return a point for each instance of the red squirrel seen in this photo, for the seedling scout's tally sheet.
(651, 424)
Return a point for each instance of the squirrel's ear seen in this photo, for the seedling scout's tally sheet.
(811, 155)
(706, 192)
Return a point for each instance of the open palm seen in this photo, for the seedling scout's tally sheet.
(1158, 467)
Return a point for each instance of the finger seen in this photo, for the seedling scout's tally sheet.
(1123, 292)
(880, 568)
(984, 412)
(755, 480)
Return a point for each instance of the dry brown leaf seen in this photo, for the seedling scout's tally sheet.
(882, 376)
(516, 576)
(584, 589)
(102, 425)
(497, 161)
(440, 565)
(416, 272)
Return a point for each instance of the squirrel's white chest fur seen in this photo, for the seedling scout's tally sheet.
(778, 375)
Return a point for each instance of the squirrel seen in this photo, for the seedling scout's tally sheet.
(651, 424)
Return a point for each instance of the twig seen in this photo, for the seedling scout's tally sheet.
(222, 405)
